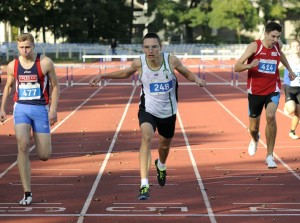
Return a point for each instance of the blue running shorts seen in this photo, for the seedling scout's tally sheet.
(34, 115)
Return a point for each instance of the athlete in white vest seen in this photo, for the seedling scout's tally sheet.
(292, 88)
(158, 103)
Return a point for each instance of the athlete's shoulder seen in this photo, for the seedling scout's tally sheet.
(10, 66)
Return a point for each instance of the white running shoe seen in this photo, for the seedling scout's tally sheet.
(285, 111)
(253, 146)
(27, 199)
(271, 162)
(292, 135)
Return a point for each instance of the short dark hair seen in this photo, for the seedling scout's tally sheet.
(152, 36)
(271, 26)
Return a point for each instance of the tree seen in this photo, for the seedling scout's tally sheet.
(235, 15)
(273, 9)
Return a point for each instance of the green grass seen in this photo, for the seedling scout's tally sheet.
(281, 72)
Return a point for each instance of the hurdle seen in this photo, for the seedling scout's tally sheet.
(67, 74)
(237, 82)
(224, 81)
(79, 83)
(201, 66)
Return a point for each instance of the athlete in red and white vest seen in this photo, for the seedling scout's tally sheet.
(263, 85)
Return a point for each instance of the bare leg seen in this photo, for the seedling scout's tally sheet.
(254, 127)
(271, 128)
(164, 148)
(295, 120)
(23, 140)
(145, 150)
(43, 146)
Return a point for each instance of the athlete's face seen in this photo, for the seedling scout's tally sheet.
(151, 48)
(272, 37)
(25, 49)
(295, 48)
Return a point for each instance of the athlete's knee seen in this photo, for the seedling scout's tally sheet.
(164, 147)
(23, 147)
(44, 156)
(147, 136)
(271, 117)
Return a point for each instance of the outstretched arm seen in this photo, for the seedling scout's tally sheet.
(177, 65)
(120, 74)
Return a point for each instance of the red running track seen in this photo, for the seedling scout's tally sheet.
(93, 175)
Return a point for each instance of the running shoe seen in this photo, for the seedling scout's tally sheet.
(271, 162)
(161, 175)
(293, 135)
(27, 199)
(253, 146)
(144, 193)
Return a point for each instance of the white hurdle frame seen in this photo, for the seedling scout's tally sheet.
(135, 81)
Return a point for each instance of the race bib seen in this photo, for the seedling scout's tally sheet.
(29, 91)
(161, 87)
(267, 66)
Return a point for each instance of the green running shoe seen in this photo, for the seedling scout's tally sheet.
(161, 175)
(144, 193)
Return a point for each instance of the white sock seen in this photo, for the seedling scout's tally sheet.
(161, 166)
(144, 182)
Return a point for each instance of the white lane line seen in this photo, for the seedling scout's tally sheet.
(136, 176)
(151, 215)
(254, 184)
(149, 203)
(56, 127)
(55, 176)
(239, 169)
(44, 184)
(104, 163)
(246, 176)
(197, 173)
(266, 203)
(151, 184)
(32, 204)
(56, 169)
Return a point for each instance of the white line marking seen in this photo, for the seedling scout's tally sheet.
(56, 169)
(197, 173)
(247, 176)
(32, 204)
(149, 176)
(254, 184)
(238, 169)
(104, 163)
(44, 184)
(149, 215)
(55, 176)
(148, 203)
(150, 184)
(266, 203)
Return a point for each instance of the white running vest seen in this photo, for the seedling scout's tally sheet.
(159, 89)
(295, 65)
